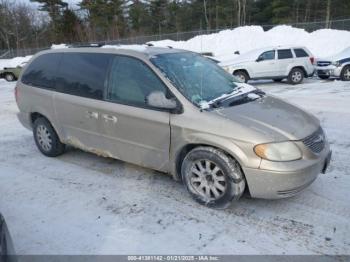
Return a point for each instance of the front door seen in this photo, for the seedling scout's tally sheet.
(132, 131)
(265, 65)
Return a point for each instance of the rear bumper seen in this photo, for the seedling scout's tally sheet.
(271, 184)
(24, 119)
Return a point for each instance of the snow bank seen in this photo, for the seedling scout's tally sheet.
(321, 43)
(13, 62)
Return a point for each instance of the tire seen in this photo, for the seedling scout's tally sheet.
(215, 189)
(323, 77)
(3, 242)
(278, 80)
(9, 77)
(46, 138)
(296, 76)
(243, 76)
(345, 74)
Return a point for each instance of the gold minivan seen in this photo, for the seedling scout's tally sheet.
(174, 111)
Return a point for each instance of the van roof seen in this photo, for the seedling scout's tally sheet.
(136, 50)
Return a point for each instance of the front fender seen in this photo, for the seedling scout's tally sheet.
(239, 150)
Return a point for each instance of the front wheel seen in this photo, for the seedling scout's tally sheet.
(345, 73)
(296, 76)
(212, 178)
(241, 75)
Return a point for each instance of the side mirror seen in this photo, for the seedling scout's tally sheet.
(259, 59)
(237, 52)
(157, 99)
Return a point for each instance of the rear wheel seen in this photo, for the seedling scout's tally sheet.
(9, 77)
(46, 138)
(212, 178)
(241, 75)
(296, 76)
(345, 73)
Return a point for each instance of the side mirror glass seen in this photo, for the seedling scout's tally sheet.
(157, 99)
(237, 52)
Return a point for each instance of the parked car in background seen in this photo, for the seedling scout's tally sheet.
(174, 111)
(277, 63)
(337, 66)
(11, 73)
(7, 251)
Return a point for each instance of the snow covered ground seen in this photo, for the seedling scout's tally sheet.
(80, 203)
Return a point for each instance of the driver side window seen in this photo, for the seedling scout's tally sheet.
(131, 81)
(269, 55)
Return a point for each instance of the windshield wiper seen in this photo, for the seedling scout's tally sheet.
(236, 99)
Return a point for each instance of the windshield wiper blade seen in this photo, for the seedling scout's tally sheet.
(238, 98)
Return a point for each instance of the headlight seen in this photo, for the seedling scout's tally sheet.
(336, 63)
(282, 151)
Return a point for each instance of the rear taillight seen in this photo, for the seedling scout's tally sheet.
(312, 59)
(16, 94)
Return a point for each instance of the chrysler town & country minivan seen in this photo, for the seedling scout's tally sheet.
(174, 111)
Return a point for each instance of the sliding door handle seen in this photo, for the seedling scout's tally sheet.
(90, 114)
(109, 118)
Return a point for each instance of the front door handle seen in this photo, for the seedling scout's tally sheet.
(109, 118)
(90, 114)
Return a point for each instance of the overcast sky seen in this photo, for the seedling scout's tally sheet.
(70, 2)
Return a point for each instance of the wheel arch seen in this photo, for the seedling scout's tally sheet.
(232, 151)
(37, 114)
(241, 70)
(300, 67)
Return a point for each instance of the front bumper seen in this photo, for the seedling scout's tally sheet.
(330, 71)
(279, 183)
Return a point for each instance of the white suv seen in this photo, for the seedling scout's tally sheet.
(277, 63)
(335, 66)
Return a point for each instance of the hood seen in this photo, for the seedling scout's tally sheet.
(246, 57)
(343, 54)
(273, 119)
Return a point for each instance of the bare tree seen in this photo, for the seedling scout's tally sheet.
(328, 13)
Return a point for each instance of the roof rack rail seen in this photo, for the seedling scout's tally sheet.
(87, 45)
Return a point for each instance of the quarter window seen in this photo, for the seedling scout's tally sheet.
(269, 55)
(83, 74)
(300, 53)
(42, 71)
(131, 81)
(285, 54)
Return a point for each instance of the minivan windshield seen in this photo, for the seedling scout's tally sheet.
(199, 79)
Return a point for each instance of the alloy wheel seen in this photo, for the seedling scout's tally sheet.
(207, 179)
(44, 137)
(296, 76)
(347, 74)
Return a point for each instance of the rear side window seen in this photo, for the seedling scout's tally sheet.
(42, 71)
(285, 54)
(131, 81)
(83, 74)
(300, 52)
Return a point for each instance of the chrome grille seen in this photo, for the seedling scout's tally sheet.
(316, 141)
(323, 63)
